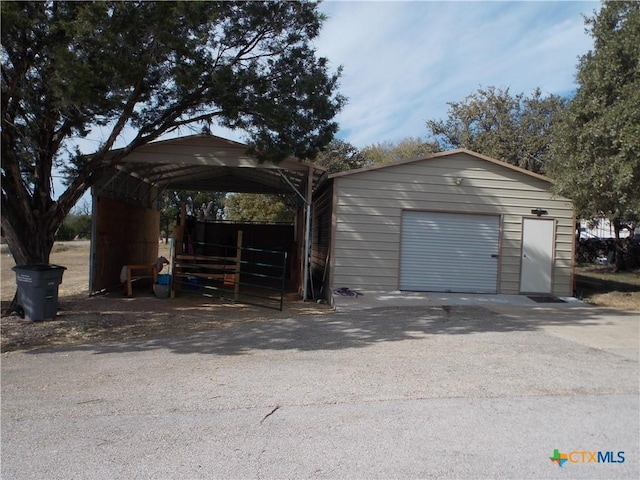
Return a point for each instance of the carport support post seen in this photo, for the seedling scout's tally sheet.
(307, 233)
(94, 237)
(307, 241)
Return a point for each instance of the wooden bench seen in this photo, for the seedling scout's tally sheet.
(152, 272)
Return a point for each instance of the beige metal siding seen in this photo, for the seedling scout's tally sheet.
(368, 209)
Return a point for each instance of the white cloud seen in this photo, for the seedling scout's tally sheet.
(403, 61)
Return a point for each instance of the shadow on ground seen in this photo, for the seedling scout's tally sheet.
(342, 330)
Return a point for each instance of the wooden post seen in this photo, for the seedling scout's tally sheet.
(178, 239)
(236, 285)
(178, 235)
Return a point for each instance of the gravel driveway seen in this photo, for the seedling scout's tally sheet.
(411, 392)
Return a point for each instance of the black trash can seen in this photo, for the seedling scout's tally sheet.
(38, 289)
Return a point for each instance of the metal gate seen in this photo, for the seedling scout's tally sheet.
(238, 274)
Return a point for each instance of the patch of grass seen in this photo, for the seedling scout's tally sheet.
(603, 286)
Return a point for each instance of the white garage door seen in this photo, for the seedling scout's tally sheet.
(449, 252)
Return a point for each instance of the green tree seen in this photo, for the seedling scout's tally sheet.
(65, 233)
(339, 156)
(258, 207)
(405, 149)
(198, 204)
(151, 67)
(169, 207)
(515, 129)
(76, 226)
(596, 147)
(80, 225)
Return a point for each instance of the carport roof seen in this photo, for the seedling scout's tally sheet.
(208, 163)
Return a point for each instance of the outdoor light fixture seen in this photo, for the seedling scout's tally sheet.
(539, 212)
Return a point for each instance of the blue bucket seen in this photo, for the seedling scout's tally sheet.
(164, 279)
(193, 283)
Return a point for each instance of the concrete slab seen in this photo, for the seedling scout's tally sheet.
(615, 331)
(372, 299)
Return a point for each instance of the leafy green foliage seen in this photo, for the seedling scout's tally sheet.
(515, 129)
(75, 226)
(596, 147)
(406, 149)
(247, 207)
(68, 67)
(197, 204)
(339, 156)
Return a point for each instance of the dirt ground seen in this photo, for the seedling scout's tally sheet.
(114, 318)
(601, 285)
(73, 255)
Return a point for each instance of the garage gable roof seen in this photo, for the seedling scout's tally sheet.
(210, 163)
(440, 155)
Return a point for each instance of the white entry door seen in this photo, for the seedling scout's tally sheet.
(537, 255)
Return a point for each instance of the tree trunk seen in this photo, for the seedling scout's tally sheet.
(28, 243)
(621, 264)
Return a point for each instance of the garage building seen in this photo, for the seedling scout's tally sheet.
(454, 221)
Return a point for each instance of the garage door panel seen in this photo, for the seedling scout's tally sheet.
(445, 252)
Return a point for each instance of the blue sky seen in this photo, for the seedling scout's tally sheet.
(403, 61)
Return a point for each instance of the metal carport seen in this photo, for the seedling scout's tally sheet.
(124, 198)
